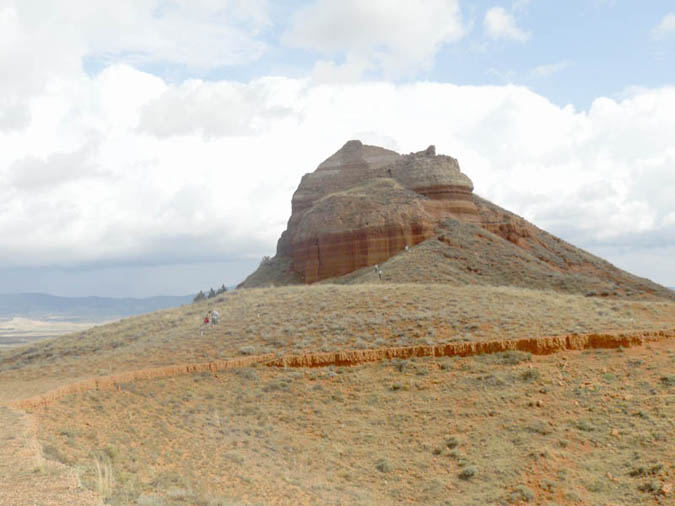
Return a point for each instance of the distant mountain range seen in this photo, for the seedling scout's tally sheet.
(43, 306)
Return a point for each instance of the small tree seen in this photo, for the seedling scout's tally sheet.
(222, 289)
(212, 293)
(199, 296)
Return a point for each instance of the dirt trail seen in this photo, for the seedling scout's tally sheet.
(27, 477)
(537, 346)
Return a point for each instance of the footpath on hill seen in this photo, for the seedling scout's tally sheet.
(28, 478)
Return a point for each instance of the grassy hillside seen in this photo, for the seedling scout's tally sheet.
(504, 250)
(318, 318)
(464, 254)
(574, 428)
(504, 428)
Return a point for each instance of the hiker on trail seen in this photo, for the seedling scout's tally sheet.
(406, 247)
(205, 324)
(379, 273)
(377, 268)
(214, 317)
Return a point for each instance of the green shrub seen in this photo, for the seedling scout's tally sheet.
(539, 427)
(452, 442)
(468, 472)
(668, 380)
(650, 487)
(247, 373)
(247, 350)
(522, 494)
(584, 425)
(53, 453)
(383, 466)
(513, 357)
(530, 375)
(400, 365)
(642, 470)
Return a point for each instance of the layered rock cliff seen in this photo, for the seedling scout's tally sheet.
(364, 204)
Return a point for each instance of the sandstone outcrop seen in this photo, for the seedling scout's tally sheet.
(364, 204)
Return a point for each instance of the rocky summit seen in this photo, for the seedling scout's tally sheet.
(364, 204)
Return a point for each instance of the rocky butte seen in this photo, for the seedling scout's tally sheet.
(364, 204)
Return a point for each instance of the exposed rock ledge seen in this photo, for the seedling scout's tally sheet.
(364, 204)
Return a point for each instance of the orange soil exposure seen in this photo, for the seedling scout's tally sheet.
(156, 372)
(323, 318)
(582, 426)
(538, 346)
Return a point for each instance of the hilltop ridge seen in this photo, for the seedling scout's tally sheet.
(364, 204)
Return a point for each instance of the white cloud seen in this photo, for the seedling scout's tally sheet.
(666, 28)
(32, 173)
(348, 72)
(216, 109)
(124, 167)
(197, 33)
(550, 69)
(395, 36)
(500, 24)
(44, 44)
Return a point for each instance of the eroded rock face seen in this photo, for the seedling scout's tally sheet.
(352, 165)
(364, 204)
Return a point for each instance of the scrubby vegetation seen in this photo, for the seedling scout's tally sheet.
(201, 296)
(322, 318)
(507, 427)
(589, 428)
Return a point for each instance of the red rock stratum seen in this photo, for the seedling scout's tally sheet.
(364, 204)
(535, 345)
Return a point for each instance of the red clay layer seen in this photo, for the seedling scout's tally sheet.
(535, 345)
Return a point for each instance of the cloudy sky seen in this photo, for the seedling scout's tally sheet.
(152, 146)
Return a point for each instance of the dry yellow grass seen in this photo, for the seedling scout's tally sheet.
(590, 427)
(367, 434)
(30, 478)
(318, 318)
